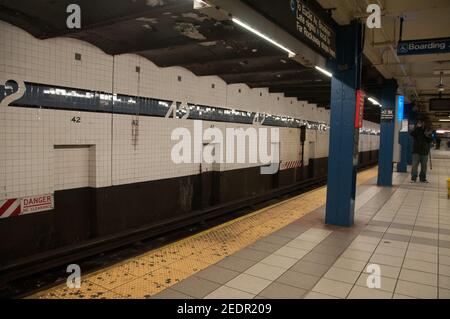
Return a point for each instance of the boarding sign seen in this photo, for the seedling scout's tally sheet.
(34, 204)
(417, 47)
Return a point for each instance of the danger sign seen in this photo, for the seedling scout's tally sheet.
(35, 204)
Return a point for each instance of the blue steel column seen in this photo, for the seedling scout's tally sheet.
(386, 153)
(344, 138)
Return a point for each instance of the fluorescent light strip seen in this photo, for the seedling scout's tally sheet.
(444, 120)
(265, 37)
(200, 4)
(374, 102)
(329, 74)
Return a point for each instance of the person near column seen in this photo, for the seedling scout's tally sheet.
(421, 149)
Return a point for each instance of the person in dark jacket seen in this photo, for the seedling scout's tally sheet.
(438, 143)
(421, 149)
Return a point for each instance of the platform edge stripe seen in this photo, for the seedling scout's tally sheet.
(5, 207)
(17, 211)
(12, 209)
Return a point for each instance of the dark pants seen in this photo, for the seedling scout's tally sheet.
(423, 161)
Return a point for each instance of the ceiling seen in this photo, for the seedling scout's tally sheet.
(173, 33)
(417, 75)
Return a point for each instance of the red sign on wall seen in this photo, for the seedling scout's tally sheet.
(36, 204)
(359, 114)
(20, 206)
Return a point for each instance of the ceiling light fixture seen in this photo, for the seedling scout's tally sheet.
(200, 4)
(327, 73)
(444, 120)
(261, 35)
(374, 102)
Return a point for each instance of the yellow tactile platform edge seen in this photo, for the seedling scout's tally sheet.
(156, 270)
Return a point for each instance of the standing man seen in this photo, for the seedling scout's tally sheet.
(421, 149)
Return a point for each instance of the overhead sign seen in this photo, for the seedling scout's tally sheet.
(305, 20)
(417, 47)
(315, 29)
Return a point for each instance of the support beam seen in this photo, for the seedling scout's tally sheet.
(344, 137)
(387, 127)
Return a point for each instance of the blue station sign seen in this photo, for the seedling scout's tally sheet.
(431, 46)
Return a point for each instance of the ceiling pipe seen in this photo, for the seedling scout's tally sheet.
(394, 53)
(389, 44)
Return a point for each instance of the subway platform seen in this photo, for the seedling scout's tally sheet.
(285, 251)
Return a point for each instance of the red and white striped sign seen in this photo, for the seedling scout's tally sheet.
(26, 205)
(290, 164)
(10, 208)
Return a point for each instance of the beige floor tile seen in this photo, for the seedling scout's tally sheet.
(357, 254)
(419, 265)
(344, 275)
(444, 282)
(359, 292)
(333, 288)
(444, 270)
(422, 256)
(386, 260)
(351, 264)
(388, 271)
(418, 277)
(444, 293)
(251, 284)
(225, 292)
(398, 296)
(386, 283)
(416, 290)
(316, 295)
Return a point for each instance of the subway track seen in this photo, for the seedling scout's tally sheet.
(38, 274)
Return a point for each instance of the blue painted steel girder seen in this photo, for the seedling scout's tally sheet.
(387, 127)
(344, 137)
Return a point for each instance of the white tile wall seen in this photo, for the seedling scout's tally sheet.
(28, 138)
(72, 167)
(53, 61)
(29, 164)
